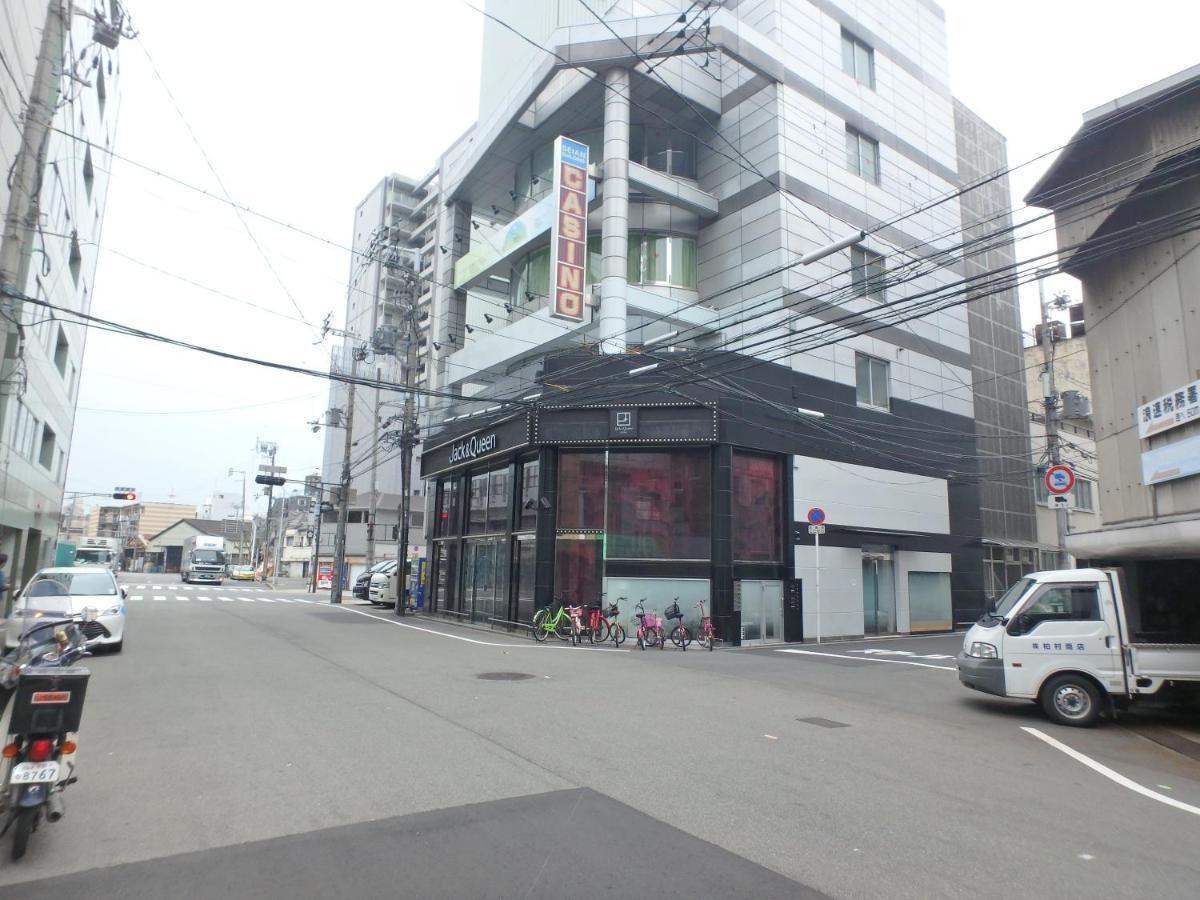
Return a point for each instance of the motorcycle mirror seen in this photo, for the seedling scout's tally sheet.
(124, 594)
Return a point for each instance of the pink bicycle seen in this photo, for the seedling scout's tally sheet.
(707, 635)
(576, 614)
(649, 628)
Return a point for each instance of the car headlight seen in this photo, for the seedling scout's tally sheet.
(983, 650)
(115, 611)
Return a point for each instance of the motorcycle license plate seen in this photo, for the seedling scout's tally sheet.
(35, 773)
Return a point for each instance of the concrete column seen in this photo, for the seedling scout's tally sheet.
(614, 242)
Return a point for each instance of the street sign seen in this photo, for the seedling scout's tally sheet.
(273, 470)
(816, 529)
(816, 516)
(124, 490)
(1060, 500)
(1060, 479)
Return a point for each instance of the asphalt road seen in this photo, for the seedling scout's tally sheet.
(245, 748)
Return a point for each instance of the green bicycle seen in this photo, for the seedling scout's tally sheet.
(558, 623)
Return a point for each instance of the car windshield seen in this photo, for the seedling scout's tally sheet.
(51, 591)
(208, 557)
(1012, 595)
(92, 557)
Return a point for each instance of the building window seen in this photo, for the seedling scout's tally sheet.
(662, 259)
(101, 90)
(62, 349)
(867, 273)
(1084, 501)
(1041, 491)
(477, 503)
(757, 513)
(89, 173)
(527, 515)
(531, 278)
(858, 60)
(356, 516)
(664, 150)
(580, 491)
(497, 516)
(862, 155)
(75, 260)
(46, 454)
(872, 379)
(659, 505)
(24, 428)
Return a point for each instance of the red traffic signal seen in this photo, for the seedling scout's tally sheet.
(125, 495)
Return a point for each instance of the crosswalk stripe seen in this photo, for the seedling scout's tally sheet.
(266, 599)
(136, 597)
(184, 599)
(247, 599)
(205, 599)
(283, 600)
(226, 599)
(159, 597)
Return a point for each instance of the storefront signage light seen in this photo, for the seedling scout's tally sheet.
(472, 447)
(1169, 411)
(568, 237)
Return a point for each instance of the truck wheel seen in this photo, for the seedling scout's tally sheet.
(1071, 700)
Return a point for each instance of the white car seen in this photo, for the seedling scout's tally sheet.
(68, 592)
(378, 591)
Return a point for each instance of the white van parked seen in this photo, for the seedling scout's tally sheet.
(1064, 639)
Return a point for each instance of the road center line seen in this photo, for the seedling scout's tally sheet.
(895, 662)
(459, 637)
(1111, 774)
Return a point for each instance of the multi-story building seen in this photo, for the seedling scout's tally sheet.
(221, 505)
(1124, 194)
(1076, 434)
(772, 241)
(58, 91)
(395, 237)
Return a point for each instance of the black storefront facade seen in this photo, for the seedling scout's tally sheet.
(683, 493)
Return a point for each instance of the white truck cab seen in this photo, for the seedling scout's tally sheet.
(1063, 639)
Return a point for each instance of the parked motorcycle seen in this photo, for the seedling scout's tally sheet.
(45, 692)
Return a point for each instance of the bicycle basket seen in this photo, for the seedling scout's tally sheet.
(672, 612)
(613, 610)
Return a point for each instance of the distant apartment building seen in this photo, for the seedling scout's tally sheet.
(53, 201)
(1124, 194)
(394, 234)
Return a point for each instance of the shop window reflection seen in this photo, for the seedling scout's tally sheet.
(757, 514)
(659, 505)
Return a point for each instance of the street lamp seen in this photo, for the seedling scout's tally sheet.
(242, 527)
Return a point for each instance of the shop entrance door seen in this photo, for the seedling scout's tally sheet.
(879, 591)
(762, 612)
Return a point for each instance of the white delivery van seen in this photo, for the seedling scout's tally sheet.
(1074, 641)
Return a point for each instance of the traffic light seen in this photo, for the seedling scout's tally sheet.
(125, 495)
(273, 480)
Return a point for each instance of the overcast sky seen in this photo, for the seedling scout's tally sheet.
(301, 112)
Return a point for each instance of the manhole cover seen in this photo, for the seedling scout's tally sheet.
(503, 676)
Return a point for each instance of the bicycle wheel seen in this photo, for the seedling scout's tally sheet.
(563, 628)
(641, 640)
(539, 625)
(600, 632)
(618, 634)
(711, 636)
(678, 633)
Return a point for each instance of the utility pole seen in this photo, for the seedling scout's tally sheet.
(408, 439)
(339, 541)
(319, 519)
(268, 449)
(242, 524)
(374, 512)
(1052, 411)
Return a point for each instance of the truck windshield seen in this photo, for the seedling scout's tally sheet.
(92, 557)
(1012, 595)
(208, 557)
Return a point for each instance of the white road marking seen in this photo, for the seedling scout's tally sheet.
(159, 597)
(266, 599)
(136, 597)
(283, 600)
(205, 599)
(184, 599)
(1110, 774)
(246, 599)
(895, 662)
(907, 653)
(226, 599)
(459, 637)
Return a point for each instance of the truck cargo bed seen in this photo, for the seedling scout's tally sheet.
(1176, 662)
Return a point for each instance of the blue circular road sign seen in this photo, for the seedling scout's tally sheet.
(816, 516)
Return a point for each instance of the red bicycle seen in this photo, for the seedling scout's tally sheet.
(707, 636)
(649, 628)
(604, 625)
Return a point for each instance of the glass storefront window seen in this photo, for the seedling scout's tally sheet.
(577, 569)
(447, 507)
(445, 557)
(497, 504)
(659, 505)
(524, 577)
(531, 276)
(477, 504)
(581, 491)
(757, 512)
(527, 514)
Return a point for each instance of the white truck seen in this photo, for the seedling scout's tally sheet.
(203, 560)
(99, 551)
(1082, 642)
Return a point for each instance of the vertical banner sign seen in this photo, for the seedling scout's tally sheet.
(568, 237)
